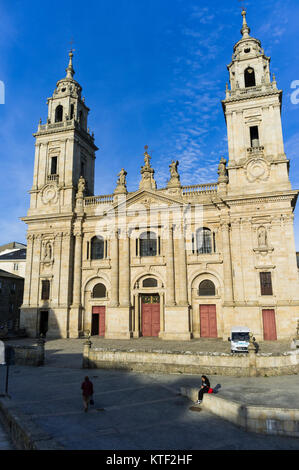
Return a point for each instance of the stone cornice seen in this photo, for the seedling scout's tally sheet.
(266, 197)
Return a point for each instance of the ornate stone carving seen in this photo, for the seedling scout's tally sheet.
(147, 172)
(257, 170)
(49, 194)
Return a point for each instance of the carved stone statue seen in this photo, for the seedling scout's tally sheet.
(262, 237)
(48, 252)
(147, 172)
(121, 185)
(122, 178)
(173, 169)
(174, 181)
(81, 186)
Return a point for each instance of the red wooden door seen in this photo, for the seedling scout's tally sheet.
(208, 321)
(150, 316)
(269, 325)
(100, 311)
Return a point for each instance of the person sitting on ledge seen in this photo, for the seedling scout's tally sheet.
(205, 387)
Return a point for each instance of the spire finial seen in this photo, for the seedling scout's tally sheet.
(70, 71)
(245, 28)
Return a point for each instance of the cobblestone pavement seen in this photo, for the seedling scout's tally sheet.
(5, 443)
(131, 411)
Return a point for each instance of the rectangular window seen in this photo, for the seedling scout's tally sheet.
(16, 266)
(266, 284)
(82, 170)
(254, 136)
(54, 166)
(45, 290)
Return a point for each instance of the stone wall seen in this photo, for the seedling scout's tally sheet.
(29, 355)
(259, 419)
(241, 365)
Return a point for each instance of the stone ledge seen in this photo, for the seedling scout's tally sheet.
(23, 432)
(243, 365)
(253, 418)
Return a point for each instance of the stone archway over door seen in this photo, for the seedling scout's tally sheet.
(98, 321)
(269, 325)
(150, 313)
(208, 321)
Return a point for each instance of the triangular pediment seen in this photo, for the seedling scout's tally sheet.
(147, 198)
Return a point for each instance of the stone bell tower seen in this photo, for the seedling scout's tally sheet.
(63, 175)
(65, 149)
(252, 108)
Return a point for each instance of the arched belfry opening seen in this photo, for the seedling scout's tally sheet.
(59, 113)
(249, 77)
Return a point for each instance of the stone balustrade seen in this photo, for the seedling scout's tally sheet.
(96, 200)
(199, 189)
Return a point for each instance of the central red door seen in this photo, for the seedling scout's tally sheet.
(150, 312)
(208, 322)
(98, 321)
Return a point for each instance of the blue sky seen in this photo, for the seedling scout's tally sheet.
(153, 72)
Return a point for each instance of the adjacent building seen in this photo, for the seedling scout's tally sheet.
(11, 298)
(13, 258)
(177, 262)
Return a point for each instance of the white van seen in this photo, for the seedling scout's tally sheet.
(239, 340)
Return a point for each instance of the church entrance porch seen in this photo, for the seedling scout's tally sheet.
(150, 315)
(98, 321)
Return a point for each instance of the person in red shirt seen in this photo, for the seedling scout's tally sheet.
(87, 392)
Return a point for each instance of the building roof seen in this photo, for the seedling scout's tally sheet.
(10, 275)
(14, 255)
(12, 246)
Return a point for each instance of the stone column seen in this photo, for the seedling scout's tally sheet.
(75, 311)
(170, 294)
(114, 270)
(227, 263)
(136, 333)
(124, 274)
(181, 268)
(77, 270)
(86, 351)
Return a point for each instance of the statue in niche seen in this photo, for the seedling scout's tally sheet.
(262, 237)
(48, 252)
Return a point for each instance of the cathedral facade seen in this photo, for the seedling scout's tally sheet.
(178, 262)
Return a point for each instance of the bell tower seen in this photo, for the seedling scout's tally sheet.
(65, 149)
(252, 109)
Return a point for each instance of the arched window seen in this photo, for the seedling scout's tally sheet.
(249, 77)
(59, 113)
(150, 282)
(72, 111)
(97, 248)
(204, 240)
(207, 288)
(148, 244)
(99, 291)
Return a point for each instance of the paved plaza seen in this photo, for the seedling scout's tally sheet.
(135, 410)
(5, 443)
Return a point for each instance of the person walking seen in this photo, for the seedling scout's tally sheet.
(87, 392)
(205, 387)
